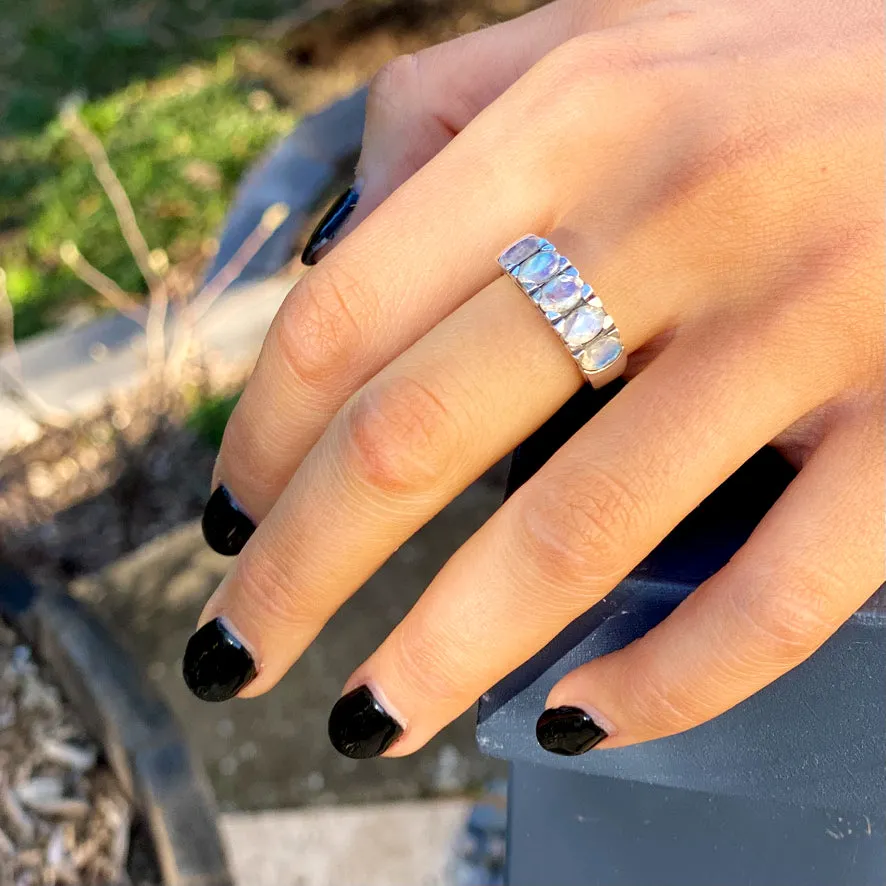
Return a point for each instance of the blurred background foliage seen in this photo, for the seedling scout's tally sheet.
(103, 45)
(210, 417)
(185, 95)
(180, 119)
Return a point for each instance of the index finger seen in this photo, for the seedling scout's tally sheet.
(417, 257)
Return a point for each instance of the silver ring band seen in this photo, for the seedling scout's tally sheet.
(569, 305)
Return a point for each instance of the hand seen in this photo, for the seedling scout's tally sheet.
(715, 170)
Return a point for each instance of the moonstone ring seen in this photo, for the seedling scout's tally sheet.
(569, 305)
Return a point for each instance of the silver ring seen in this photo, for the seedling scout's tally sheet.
(569, 305)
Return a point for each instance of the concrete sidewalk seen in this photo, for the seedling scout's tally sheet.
(393, 844)
(76, 370)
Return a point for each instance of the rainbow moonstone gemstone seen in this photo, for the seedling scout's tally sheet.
(562, 294)
(583, 324)
(603, 351)
(521, 250)
(539, 268)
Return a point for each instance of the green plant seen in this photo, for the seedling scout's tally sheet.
(210, 417)
(102, 45)
(179, 147)
(168, 356)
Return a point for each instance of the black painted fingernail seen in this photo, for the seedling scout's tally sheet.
(225, 527)
(568, 731)
(360, 728)
(329, 225)
(217, 665)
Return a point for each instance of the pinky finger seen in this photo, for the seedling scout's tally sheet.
(813, 561)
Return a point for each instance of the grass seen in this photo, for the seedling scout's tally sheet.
(100, 46)
(180, 124)
(210, 416)
(179, 146)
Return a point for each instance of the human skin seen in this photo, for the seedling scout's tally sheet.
(715, 169)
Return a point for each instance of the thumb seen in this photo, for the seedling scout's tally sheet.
(418, 103)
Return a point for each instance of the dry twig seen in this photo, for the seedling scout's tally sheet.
(116, 297)
(273, 217)
(115, 191)
(197, 308)
(132, 233)
(12, 384)
(165, 366)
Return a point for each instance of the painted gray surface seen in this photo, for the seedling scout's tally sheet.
(786, 789)
(814, 737)
(586, 830)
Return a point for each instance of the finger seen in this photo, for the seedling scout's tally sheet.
(376, 294)
(569, 535)
(813, 560)
(419, 432)
(417, 103)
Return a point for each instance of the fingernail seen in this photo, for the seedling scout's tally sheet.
(360, 728)
(330, 224)
(568, 731)
(217, 665)
(225, 527)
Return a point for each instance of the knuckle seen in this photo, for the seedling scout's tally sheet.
(269, 593)
(602, 64)
(612, 57)
(401, 435)
(318, 330)
(788, 623)
(427, 665)
(630, 85)
(577, 531)
(393, 83)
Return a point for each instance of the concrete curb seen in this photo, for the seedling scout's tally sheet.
(392, 844)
